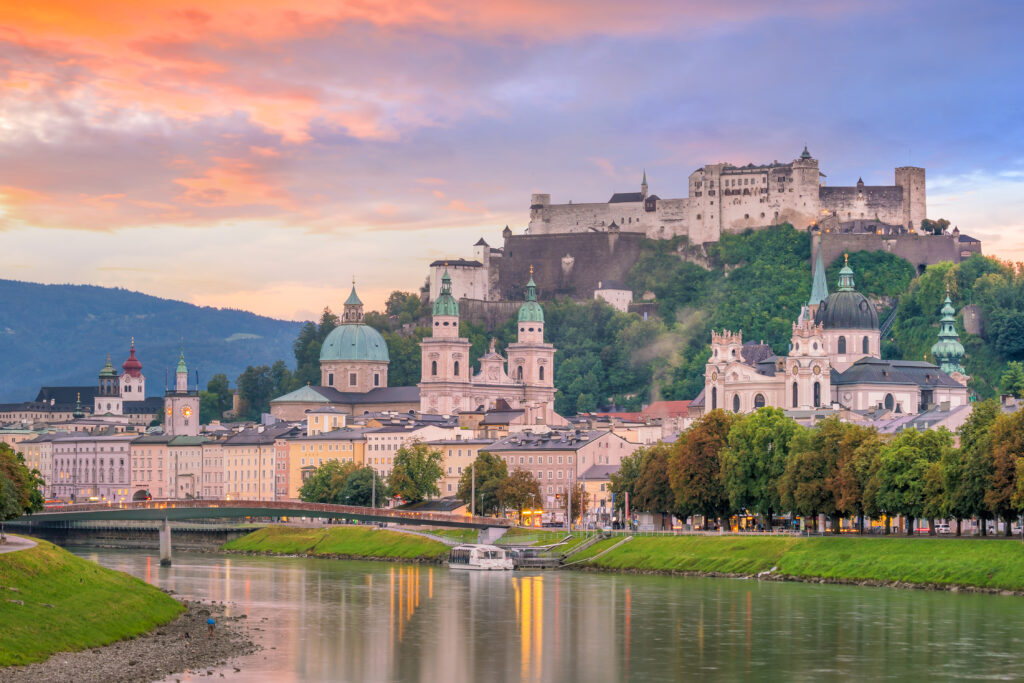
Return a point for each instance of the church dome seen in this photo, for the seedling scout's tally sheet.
(846, 309)
(355, 342)
(446, 303)
(531, 311)
(132, 366)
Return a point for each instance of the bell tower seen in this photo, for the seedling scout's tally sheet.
(445, 383)
(181, 404)
(531, 360)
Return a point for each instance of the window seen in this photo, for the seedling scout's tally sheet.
(889, 402)
(714, 398)
(433, 368)
(456, 368)
(541, 373)
(842, 345)
(796, 395)
(376, 379)
(519, 373)
(759, 401)
(735, 403)
(817, 394)
(352, 379)
(330, 379)
(864, 346)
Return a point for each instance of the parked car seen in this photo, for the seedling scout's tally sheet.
(942, 528)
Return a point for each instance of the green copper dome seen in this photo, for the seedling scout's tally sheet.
(181, 363)
(948, 351)
(446, 303)
(354, 342)
(353, 298)
(531, 311)
(108, 369)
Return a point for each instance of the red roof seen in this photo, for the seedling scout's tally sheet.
(132, 366)
(666, 409)
(629, 417)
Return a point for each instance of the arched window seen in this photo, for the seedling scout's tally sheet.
(540, 373)
(714, 398)
(456, 368)
(817, 394)
(759, 401)
(735, 403)
(433, 367)
(796, 395)
(330, 379)
(889, 402)
(519, 372)
(842, 345)
(864, 346)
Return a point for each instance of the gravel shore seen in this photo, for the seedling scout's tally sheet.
(180, 646)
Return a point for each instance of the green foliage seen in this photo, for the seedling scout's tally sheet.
(365, 488)
(876, 273)
(626, 479)
(755, 459)
(340, 541)
(327, 483)
(904, 463)
(416, 471)
(695, 467)
(1012, 381)
(521, 491)
(19, 486)
(258, 385)
(653, 490)
(491, 473)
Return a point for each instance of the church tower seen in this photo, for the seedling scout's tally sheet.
(948, 351)
(108, 397)
(445, 385)
(133, 382)
(181, 404)
(531, 360)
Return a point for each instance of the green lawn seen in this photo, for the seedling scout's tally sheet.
(966, 562)
(92, 606)
(460, 535)
(593, 550)
(355, 541)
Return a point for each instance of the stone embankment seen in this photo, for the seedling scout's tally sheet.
(181, 646)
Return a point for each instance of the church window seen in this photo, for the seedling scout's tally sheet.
(759, 401)
(433, 368)
(796, 395)
(541, 373)
(714, 398)
(446, 323)
(864, 345)
(817, 394)
(815, 346)
(735, 403)
(889, 401)
(522, 329)
(437, 324)
(376, 379)
(519, 372)
(698, 216)
(746, 215)
(352, 379)
(330, 379)
(842, 344)
(456, 368)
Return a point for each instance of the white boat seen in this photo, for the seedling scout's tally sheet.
(479, 558)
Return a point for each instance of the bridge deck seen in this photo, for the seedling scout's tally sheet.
(200, 509)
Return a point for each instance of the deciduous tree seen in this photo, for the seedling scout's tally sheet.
(520, 491)
(1007, 437)
(695, 466)
(755, 460)
(491, 473)
(415, 473)
(327, 483)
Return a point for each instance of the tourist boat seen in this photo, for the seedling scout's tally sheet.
(479, 557)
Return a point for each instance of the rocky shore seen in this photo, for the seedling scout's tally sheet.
(180, 646)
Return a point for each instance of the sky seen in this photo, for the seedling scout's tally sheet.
(260, 155)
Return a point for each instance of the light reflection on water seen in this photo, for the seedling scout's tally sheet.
(323, 620)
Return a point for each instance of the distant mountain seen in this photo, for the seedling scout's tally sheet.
(61, 335)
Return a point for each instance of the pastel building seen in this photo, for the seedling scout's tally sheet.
(92, 467)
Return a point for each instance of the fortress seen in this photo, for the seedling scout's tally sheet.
(727, 198)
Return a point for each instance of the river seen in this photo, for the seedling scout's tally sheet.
(329, 620)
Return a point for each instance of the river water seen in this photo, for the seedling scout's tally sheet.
(330, 620)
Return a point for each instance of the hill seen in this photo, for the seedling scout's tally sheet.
(61, 335)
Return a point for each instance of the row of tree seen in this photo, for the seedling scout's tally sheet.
(20, 487)
(766, 464)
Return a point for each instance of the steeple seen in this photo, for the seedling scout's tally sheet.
(446, 304)
(948, 351)
(353, 309)
(78, 414)
(819, 286)
(846, 276)
(181, 374)
(531, 311)
(643, 185)
(805, 154)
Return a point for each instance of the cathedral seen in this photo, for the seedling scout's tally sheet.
(524, 379)
(834, 362)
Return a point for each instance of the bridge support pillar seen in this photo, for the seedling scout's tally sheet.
(165, 544)
(491, 534)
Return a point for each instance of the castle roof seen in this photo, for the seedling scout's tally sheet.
(481, 243)
(457, 263)
(625, 197)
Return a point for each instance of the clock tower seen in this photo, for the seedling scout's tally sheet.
(181, 405)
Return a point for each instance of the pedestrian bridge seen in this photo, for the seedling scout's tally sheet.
(177, 510)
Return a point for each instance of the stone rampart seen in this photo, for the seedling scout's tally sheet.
(920, 250)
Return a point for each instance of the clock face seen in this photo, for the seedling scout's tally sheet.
(186, 411)
(170, 411)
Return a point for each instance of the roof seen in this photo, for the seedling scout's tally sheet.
(353, 298)
(501, 417)
(753, 353)
(553, 441)
(66, 394)
(188, 441)
(877, 371)
(666, 409)
(599, 472)
(623, 197)
(258, 435)
(311, 394)
(457, 262)
(968, 238)
(343, 434)
(481, 243)
(355, 342)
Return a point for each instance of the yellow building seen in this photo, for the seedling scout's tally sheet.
(306, 453)
(250, 460)
(599, 508)
(458, 457)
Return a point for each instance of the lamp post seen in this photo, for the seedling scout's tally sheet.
(373, 488)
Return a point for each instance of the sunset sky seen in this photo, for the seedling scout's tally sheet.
(259, 155)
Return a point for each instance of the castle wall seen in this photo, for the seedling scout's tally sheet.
(469, 281)
(491, 314)
(882, 203)
(920, 250)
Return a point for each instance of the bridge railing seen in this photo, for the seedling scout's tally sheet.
(285, 508)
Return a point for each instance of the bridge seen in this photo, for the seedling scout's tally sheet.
(168, 510)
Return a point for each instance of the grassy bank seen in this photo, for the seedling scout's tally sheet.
(91, 606)
(988, 564)
(340, 541)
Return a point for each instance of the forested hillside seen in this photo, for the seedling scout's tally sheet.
(757, 283)
(61, 335)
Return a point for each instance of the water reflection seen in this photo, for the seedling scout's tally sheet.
(347, 621)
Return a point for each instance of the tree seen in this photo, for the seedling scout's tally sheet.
(803, 487)
(1007, 445)
(653, 491)
(695, 468)
(327, 483)
(903, 464)
(360, 488)
(1012, 381)
(755, 460)
(520, 491)
(975, 472)
(256, 388)
(416, 471)
(580, 504)
(218, 386)
(19, 486)
(626, 479)
(856, 463)
(491, 473)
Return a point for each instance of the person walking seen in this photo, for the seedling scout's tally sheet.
(209, 627)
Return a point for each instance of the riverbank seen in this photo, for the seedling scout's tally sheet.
(340, 542)
(991, 566)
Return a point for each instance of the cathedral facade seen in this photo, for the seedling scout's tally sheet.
(524, 379)
(834, 362)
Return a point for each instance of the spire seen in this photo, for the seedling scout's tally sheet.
(819, 286)
(182, 368)
(531, 311)
(353, 308)
(108, 369)
(446, 303)
(78, 414)
(846, 276)
(948, 351)
(805, 154)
